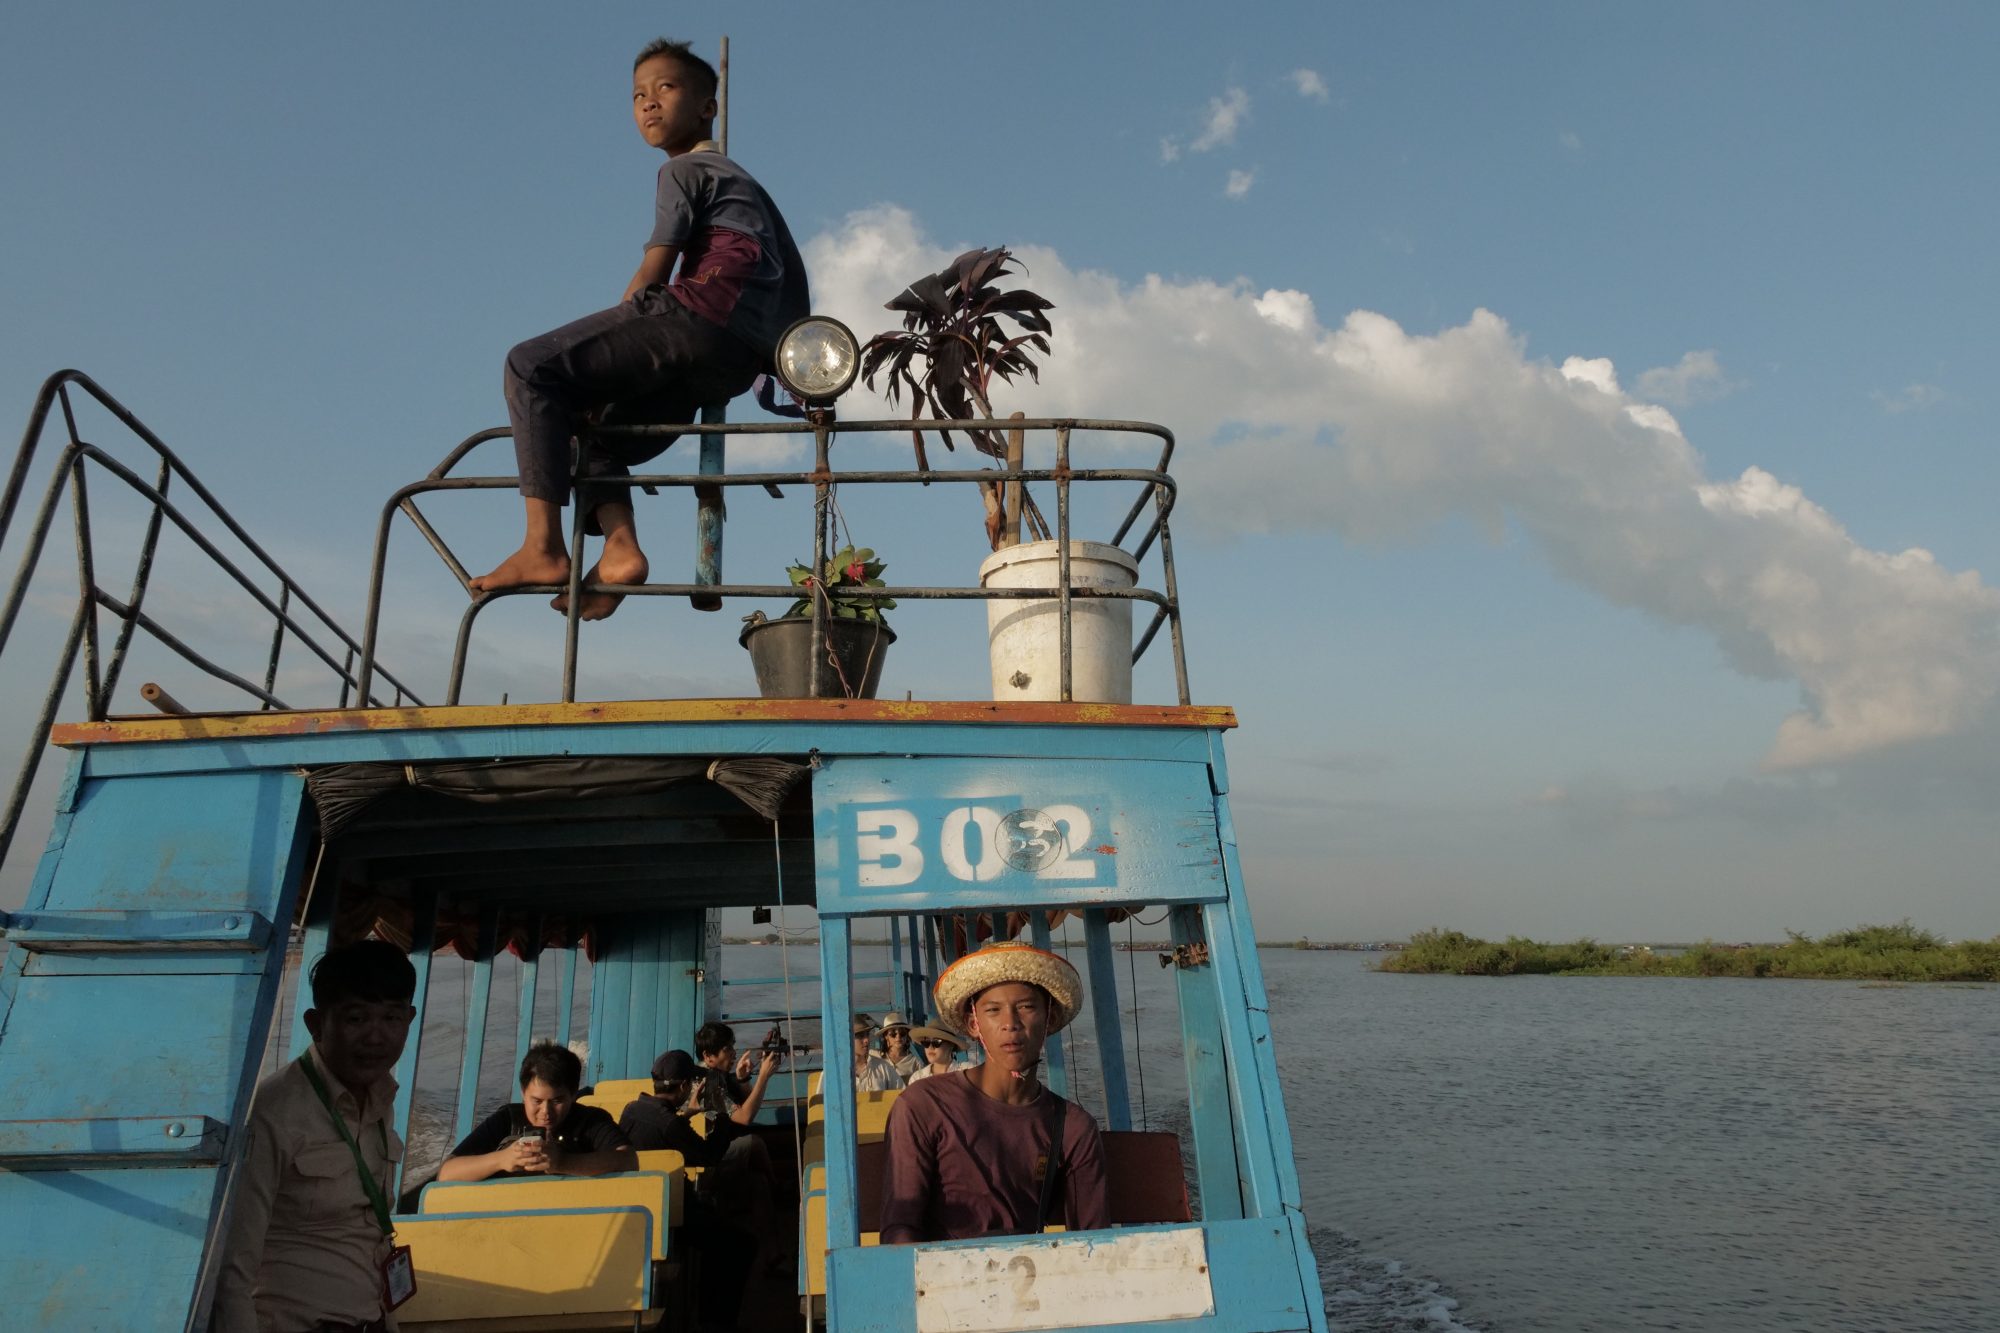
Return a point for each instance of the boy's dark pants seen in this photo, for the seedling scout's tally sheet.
(649, 361)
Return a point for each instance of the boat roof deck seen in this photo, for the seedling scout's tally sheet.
(244, 726)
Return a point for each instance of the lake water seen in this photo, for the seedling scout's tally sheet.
(1590, 1153)
(1599, 1153)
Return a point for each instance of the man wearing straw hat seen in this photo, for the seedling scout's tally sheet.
(988, 1150)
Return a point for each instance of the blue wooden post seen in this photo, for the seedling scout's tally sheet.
(317, 934)
(593, 1066)
(1052, 1051)
(1257, 1170)
(524, 1023)
(475, 1022)
(1258, 1017)
(931, 946)
(843, 1228)
(898, 989)
(709, 513)
(565, 994)
(1209, 1112)
(918, 983)
(1104, 1004)
(611, 1000)
(423, 934)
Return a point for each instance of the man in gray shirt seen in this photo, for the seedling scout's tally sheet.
(310, 1237)
(678, 340)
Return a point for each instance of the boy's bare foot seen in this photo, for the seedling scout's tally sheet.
(622, 562)
(527, 566)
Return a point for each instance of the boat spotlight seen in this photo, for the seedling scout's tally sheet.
(817, 359)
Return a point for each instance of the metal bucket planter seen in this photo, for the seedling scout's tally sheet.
(781, 655)
(1024, 637)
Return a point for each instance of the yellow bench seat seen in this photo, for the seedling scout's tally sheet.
(658, 1193)
(550, 1268)
(871, 1114)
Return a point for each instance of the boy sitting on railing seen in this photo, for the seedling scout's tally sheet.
(668, 349)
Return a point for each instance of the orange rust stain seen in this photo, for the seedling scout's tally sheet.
(238, 726)
(1104, 848)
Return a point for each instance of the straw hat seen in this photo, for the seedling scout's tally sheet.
(892, 1019)
(966, 979)
(929, 1032)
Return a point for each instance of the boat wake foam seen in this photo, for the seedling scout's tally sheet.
(1367, 1293)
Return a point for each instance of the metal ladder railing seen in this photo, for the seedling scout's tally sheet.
(1155, 484)
(294, 613)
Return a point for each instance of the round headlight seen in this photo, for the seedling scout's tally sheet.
(818, 358)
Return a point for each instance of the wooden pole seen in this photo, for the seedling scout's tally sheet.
(1010, 524)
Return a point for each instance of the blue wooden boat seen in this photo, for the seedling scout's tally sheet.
(198, 859)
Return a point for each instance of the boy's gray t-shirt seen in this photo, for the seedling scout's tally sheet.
(739, 267)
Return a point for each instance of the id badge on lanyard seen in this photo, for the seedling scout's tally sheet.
(399, 1277)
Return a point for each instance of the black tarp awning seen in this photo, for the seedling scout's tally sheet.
(342, 791)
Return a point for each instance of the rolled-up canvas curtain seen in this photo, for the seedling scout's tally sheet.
(341, 792)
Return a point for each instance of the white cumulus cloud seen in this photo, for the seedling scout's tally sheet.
(1373, 431)
(1239, 183)
(1309, 84)
(1226, 115)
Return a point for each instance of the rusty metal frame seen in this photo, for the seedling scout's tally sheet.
(317, 631)
(1156, 483)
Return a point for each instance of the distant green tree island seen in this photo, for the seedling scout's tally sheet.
(1867, 953)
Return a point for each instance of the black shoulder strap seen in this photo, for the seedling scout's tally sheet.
(1058, 1114)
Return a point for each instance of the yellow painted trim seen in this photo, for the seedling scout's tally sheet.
(246, 726)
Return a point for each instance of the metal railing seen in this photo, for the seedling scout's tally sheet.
(294, 613)
(1155, 483)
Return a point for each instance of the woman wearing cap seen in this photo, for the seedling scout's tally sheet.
(970, 1153)
(940, 1047)
(659, 1119)
(896, 1047)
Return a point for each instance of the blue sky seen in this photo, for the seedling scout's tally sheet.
(1560, 389)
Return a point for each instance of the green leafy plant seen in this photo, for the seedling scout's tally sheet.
(849, 567)
(954, 342)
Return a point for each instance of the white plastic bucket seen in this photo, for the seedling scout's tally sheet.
(1024, 638)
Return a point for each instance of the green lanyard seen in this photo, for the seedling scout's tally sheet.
(368, 1181)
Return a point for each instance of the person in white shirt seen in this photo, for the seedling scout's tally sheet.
(871, 1072)
(896, 1048)
(940, 1046)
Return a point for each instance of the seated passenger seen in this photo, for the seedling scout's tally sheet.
(896, 1048)
(940, 1047)
(545, 1132)
(731, 1103)
(662, 1118)
(970, 1152)
(871, 1072)
(724, 1232)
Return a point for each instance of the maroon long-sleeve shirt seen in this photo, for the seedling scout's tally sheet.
(962, 1164)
